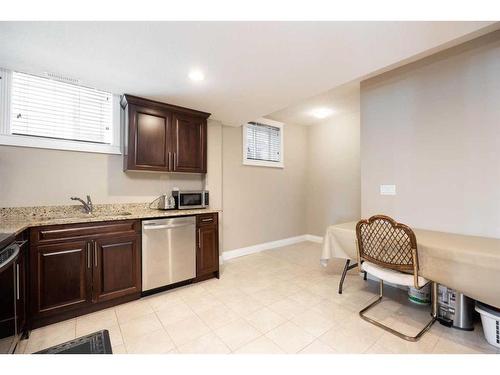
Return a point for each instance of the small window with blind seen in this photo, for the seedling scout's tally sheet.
(47, 112)
(263, 143)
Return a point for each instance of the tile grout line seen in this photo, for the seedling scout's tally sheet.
(196, 314)
(210, 328)
(166, 331)
(120, 328)
(245, 319)
(239, 277)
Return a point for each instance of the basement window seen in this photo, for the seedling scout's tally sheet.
(57, 113)
(263, 143)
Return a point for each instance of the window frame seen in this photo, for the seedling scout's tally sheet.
(264, 163)
(9, 139)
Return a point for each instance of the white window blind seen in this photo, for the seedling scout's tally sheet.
(43, 107)
(263, 142)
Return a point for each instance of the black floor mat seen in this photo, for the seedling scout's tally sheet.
(95, 343)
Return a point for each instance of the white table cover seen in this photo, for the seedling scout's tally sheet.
(469, 264)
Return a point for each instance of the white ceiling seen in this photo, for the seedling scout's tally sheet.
(251, 68)
(342, 100)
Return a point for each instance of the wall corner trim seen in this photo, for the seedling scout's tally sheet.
(313, 238)
(230, 254)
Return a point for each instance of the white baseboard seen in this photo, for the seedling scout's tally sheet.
(267, 246)
(313, 238)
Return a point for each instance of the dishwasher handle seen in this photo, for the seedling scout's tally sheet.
(165, 226)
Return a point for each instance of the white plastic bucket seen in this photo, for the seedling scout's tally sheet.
(491, 325)
(420, 296)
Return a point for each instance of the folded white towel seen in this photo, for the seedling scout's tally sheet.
(392, 276)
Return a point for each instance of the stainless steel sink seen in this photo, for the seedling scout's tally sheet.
(62, 217)
(86, 216)
(123, 213)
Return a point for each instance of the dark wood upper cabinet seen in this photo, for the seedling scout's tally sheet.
(189, 144)
(117, 267)
(149, 130)
(163, 137)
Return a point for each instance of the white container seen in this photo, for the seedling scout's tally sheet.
(420, 296)
(490, 318)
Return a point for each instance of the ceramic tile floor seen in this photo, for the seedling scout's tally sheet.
(276, 301)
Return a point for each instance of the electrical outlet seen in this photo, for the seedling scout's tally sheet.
(387, 189)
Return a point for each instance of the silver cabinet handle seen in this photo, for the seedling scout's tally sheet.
(17, 281)
(88, 255)
(95, 254)
(199, 238)
(169, 165)
(207, 220)
(175, 154)
(62, 252)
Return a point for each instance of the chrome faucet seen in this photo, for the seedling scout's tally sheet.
(88, 207)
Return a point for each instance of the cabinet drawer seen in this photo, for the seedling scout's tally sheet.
(206, 219)
(73, 231)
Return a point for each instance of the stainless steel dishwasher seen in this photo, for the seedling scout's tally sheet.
(168, 251)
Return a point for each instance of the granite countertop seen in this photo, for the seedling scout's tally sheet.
(14, 220)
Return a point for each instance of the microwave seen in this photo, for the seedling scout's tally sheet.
(189, 199)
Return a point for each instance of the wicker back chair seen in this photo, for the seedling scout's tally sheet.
(388, 244)
(388, 251)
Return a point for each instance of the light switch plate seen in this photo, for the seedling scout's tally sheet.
(387, 189)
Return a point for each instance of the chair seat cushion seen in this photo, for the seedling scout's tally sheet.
(392, 276)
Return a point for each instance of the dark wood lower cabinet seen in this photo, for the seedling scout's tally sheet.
(117, 267)
(207, 252)
(79, 268)
(62, 277)
(75, 269)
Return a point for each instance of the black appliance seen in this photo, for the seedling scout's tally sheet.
(9, 293)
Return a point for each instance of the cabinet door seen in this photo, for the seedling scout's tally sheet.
(189, 144)
(149, 139)
(207, 256)
(117, 267)
(61, 274)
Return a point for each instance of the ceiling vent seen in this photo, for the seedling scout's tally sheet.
(61, 78)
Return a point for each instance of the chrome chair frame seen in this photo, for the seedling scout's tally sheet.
(403, 267)
(393, 331)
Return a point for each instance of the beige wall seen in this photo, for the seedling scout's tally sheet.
(30, 176)
(433, 129)
(260, 204)
(263, 204)
(333, 173)
(213, 178)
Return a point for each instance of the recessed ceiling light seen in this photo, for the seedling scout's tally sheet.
(322, 112)
(196, 75)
